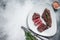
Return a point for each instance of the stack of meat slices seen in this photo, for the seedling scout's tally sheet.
(38, 22)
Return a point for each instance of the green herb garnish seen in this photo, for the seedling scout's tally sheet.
(28, 34)
(47, 16)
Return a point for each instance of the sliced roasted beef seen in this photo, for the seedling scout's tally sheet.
(35, 18)
(42, 27)
(47, 17)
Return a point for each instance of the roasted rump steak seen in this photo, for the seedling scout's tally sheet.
(47, 17)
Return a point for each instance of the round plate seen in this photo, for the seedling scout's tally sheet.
(40, 9)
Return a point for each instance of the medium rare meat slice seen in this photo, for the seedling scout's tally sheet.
(47, 17)
(35, 18)
(42, 27)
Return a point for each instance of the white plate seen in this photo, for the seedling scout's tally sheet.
(40, 9)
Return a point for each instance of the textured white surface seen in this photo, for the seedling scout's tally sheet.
(14, 16)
